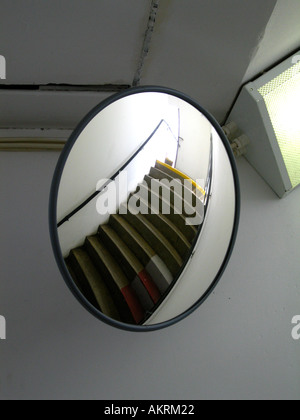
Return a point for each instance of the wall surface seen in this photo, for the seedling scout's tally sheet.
(238, 345)
(282, 31)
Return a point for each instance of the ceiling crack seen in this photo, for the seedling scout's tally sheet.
(147, 41)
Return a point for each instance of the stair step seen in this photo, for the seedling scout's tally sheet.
(181, 198)
(125, 258)
(155, 239)
(166, 227)
(127, 301)
(158, 174)
(81, 282)
(168, 170)
(179, 220)
(132, 267)
(173, 172)
(157, 269)
(161, 172)
(132, 238)
(89, 277)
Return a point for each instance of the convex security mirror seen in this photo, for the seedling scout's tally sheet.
(144, 208)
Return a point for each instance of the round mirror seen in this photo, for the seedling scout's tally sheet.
(144, 208)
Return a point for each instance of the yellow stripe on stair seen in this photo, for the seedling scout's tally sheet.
(182, 175)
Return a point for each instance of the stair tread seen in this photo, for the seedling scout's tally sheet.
(105, 259)
(176, 230)
(97, 284)
(151, 179)
(154, 265)
(172, 210)
(158, 174)
(113, 268)
(134, 234)
(136, 265)
(163, 247)
(162, 238)
(189, 201)
(177, 174)
(162, 173)
(178, 219)
(169, 229)
(168, 171)
(81, 282)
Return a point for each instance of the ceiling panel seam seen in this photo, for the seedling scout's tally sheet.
(52, 87)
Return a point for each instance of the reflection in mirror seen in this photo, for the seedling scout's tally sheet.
(146, 208)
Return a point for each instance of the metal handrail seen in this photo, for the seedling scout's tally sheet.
(114, 176)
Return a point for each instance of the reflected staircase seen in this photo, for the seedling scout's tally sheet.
(127, 268)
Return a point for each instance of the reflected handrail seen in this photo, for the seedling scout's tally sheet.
(116, 174)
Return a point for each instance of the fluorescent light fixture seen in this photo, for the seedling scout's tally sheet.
(268, 112)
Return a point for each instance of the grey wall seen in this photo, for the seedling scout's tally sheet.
(237, 345)
(281, 38)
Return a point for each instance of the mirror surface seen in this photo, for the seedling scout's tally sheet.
(144, 208)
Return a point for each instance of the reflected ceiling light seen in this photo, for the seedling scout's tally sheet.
(268, 113)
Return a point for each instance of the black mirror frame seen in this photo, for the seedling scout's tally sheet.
(53, 207)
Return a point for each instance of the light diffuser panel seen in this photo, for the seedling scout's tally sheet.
(267, 111)
(282, 99)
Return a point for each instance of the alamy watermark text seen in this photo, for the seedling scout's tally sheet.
(2, 67)
(161, 196)
(296, 329)
(2, 328)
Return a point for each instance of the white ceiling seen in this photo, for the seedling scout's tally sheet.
(72, 41)
(201, 47)
(281, 38)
